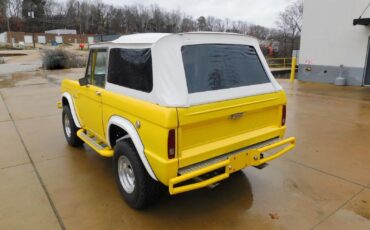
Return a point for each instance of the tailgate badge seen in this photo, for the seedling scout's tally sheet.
(236, 116)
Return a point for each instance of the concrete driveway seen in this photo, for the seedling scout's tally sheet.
(322, 184)
(28, 60)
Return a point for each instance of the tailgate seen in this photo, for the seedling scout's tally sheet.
(210, 130)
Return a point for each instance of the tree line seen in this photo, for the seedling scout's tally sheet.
(99, 18)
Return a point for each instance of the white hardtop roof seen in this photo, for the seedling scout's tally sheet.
(147, 38)
(152, 38)
(169, 81)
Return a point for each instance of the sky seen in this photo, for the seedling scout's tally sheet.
(261, 12)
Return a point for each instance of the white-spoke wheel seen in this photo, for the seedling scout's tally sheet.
(126, 174)
(67, 126)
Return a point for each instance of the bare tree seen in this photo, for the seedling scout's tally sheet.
(188, 24)
(290, 24)
(219, 25)
(3, 5)
(202, 24)
(227, 23)
(242, 26)
(52, 7)
(14, 8)
(259, 32)
(96, 17)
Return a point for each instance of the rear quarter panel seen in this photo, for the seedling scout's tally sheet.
(155, 122)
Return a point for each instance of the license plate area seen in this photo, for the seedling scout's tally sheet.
(242, 160)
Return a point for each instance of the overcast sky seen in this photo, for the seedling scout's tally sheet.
(262, 12)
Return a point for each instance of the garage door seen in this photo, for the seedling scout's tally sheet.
(59, 39)
(28, 39)
(41, 39)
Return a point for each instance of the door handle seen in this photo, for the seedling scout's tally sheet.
(98, 93)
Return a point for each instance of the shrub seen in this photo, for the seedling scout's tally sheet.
(61, 59)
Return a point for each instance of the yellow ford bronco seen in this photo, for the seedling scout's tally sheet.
(182, 110)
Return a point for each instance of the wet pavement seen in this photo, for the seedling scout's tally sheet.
(323, 183)
(20, 61)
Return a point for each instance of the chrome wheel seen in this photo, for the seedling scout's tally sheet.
(126, 174)
(67, 126)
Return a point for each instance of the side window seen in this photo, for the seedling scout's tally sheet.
(131, 68)
(97, 69)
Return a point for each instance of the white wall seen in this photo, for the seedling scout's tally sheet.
(328, 35)
(28, 39)
(61, 31)
(3, 37)
(59, 39)
(41, 39)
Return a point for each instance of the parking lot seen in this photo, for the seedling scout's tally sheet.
(323, 183)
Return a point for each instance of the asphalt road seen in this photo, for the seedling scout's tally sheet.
(323, 183)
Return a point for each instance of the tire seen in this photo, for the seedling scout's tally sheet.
(144, 190)
(69, 128)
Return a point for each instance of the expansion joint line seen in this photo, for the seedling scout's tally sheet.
(60, 221)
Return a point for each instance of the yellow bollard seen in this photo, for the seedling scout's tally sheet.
(292, 71)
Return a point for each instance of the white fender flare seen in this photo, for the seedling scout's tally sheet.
(72, 107)
(131, 131)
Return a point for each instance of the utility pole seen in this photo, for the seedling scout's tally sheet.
(79, 20)
(9, 33)
(32, 15)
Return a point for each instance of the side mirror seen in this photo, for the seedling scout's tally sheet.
(83, 81)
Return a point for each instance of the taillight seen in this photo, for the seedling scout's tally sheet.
(171, 144)
(283, 118)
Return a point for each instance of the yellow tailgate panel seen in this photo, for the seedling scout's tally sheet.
(206, 131)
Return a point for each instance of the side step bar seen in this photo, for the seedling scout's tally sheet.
(95, 143)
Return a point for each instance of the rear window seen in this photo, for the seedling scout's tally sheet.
(131, 68)
(221, 66)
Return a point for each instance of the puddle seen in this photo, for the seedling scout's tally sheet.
(12, 54)
(22, 79)
(39, 77)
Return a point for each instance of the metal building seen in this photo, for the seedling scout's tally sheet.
(61, 31)
(335, 42)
